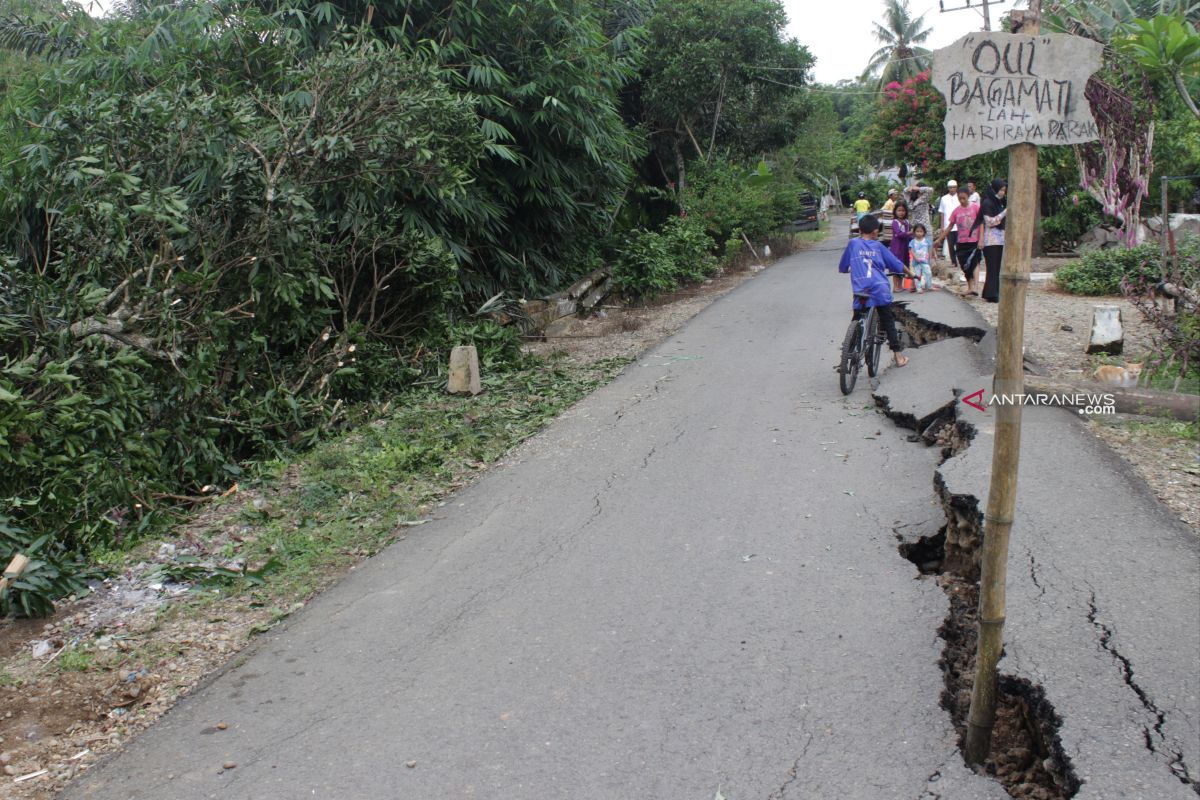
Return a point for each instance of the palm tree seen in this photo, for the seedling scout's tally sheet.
(900, 57)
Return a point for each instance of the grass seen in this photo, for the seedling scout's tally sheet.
(813, 237)
(350, 497)
(1166, 429)
(76, 660)
(1167, 378)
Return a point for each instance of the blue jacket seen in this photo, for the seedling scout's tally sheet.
(868, 263)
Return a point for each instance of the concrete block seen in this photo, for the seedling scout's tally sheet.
(464, 371)
(1107, 333)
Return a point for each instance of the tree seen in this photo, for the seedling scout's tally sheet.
(908, 129)
(32, 31)
(901, 56)
(908, 126)
(1166, 47)
(211, 238)
(545, 81)
(720, 76)
(1102, 19)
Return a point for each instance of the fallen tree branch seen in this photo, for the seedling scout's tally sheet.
(113, 329)
(1189, 296)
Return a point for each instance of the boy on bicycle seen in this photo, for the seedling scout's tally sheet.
(868, 263)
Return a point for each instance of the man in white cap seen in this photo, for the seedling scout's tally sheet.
(946, 206)
(890, 205)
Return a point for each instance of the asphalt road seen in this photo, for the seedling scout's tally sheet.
(688, 585)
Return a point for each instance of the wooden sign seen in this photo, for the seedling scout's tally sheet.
(1003, 89)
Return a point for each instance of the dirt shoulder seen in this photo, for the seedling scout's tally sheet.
(75, 687)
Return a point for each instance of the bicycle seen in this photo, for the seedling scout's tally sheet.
(863, 341)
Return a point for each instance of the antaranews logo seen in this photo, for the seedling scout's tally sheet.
(1087, 403)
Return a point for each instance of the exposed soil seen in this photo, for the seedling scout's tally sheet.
(62, 708)
(1057, 326)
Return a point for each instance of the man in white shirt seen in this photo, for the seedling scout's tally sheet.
(974, 198)
(946, 206)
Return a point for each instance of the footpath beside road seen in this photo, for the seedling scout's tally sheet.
(691, 583)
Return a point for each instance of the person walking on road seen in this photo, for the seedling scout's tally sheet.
(962, 219)
(974, 198)
(992, 213)
(868, 263)
(946, 206)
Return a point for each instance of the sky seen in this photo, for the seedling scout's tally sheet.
(839, 32)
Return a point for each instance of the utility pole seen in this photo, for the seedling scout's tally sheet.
(1006, 454)
(983, 5)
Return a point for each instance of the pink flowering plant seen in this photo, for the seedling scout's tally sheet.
(908, 128)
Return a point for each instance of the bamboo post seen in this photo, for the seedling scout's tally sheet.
(13, 570)
(1006, 455)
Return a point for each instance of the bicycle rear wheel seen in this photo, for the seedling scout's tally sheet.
(851, 357)
(874, 343)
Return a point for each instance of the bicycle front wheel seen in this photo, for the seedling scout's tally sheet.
(851, 357)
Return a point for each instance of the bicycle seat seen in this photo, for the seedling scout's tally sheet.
(862, 295)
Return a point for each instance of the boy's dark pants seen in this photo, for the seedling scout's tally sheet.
(888, 319)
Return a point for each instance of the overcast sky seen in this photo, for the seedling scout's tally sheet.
(838, 32)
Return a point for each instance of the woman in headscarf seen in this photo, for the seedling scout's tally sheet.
(992, 213)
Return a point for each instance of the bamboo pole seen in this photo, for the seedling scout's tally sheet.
(13, 570)
(1006, 455)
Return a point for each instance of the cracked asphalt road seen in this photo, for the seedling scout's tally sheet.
(690, 582)
(1103, 581)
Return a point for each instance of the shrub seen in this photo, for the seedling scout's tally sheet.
(730, 200)
(1176, 336)
(653, 262)
(1101, 272)
(1061, 231)
(51, 572)
(193, 270)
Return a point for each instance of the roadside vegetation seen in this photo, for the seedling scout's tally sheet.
(232, 231)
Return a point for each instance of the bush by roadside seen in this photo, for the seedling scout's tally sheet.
(1062, 230)
(654, 262)
(725, 205)
(1100, 272)
(1110, 270)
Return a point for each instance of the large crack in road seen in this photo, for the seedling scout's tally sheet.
(1027, 756)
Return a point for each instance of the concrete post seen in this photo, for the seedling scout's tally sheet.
(464, 371)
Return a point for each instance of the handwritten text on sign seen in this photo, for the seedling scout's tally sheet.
(1004, 89)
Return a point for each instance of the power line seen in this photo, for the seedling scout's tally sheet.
(987, 19)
